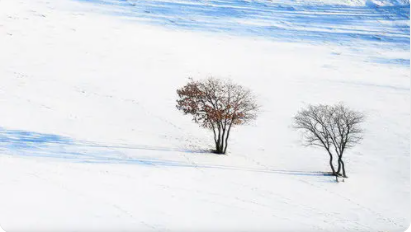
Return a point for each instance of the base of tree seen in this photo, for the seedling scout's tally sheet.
(338, 174)
(339, 177)
(218, 152)
(327, 173)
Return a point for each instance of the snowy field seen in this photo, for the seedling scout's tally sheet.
(90, 138)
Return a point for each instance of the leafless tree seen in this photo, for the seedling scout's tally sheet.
(335, 128)
(217, 105)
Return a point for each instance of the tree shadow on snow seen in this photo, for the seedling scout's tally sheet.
(41, 145)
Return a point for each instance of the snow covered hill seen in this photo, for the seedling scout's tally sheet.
(302, 21)
(351, 2)
(90, 138)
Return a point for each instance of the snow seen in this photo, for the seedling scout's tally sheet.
(90, 138)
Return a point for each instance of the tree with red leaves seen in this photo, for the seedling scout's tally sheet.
(217, 105)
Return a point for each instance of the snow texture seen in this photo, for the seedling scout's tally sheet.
(90, 138)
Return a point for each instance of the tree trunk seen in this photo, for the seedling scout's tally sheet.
(339, 167)
(217, 145)
(218, 140)
(222, 142)
(339, 164)
(343, 167)
(331, 163)
(226, 138)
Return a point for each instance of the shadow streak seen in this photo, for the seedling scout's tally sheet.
(33, 144)
(285, 21)
(40, 145)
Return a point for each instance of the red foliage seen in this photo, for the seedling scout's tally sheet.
(217, 105)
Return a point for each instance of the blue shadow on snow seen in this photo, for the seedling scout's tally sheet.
(33, 144)
(287, 21)
(40, 145)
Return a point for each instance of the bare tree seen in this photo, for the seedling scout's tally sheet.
(335, 128)
(217, 105)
